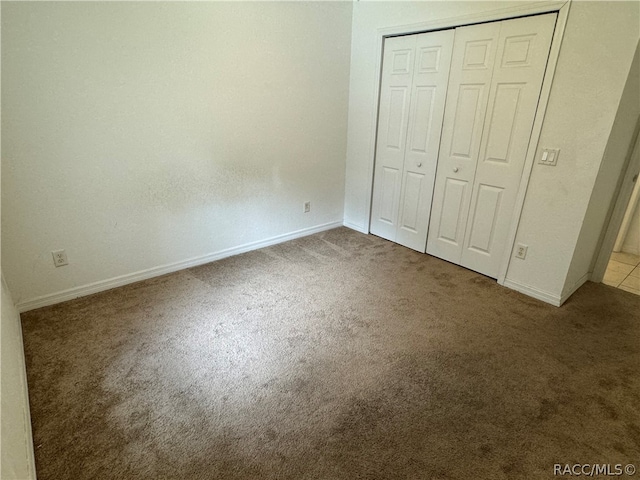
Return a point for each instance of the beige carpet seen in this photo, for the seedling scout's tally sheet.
(338, 356)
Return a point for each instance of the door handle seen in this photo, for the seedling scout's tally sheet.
(419, 164)
(455, 169)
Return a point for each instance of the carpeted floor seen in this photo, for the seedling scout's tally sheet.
(339, 356)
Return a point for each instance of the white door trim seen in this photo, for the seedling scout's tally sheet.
(628, 215)
(562, 8)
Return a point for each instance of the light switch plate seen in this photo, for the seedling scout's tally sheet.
(549, 156)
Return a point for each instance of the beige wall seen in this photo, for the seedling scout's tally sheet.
(16, 446)
(617, 152)
(587, 88)
(146, 134)
(142, 135)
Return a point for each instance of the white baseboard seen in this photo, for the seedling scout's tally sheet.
(547, 297)
(630, 249)
(102, 285)
(553, 299)
(581, 281)
(357, 228)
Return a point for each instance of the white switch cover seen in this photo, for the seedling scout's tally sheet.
(549, 156)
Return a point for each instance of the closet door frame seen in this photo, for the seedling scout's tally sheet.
(559, 7)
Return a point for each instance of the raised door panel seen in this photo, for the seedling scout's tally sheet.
(523, 49)
(467, 120)
(389, 186)
(501, 125)
(449, 225)
(421, 125)
(395, 92)
(474, 55)
(428, 95)
(483, 219)
(410, 217)
(394, 128)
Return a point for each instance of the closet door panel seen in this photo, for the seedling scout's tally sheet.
(395, 92)
(428, 95)
(523, 49)
(474, 55)
(455, 192)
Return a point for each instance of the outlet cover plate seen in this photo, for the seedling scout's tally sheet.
(521, 251)
(60, 258)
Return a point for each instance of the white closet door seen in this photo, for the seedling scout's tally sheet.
(413, 90)
(397, 75)
(428, 95)
(521, 60)
(474, 54)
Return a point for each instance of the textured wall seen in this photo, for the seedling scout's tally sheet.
(617, 151)
(587, 88)
(143, 134)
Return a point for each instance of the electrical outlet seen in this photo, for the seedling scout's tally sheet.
(60, 258)
(521, 251)
(307, 207)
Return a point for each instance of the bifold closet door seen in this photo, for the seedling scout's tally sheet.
(496, 75)
(474, 54)
(415, 72)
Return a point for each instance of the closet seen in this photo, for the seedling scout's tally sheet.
(456, 112)
(413, 90)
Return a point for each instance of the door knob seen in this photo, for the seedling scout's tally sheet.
(455, 169)
(419, 164)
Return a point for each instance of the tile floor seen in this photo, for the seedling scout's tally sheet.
(623, 272)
